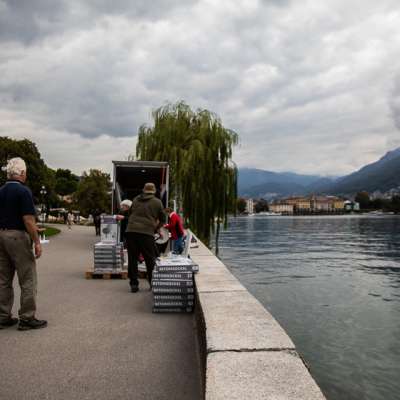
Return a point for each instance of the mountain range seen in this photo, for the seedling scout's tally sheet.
(381, 175)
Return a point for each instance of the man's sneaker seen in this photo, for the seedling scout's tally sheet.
(8, 322)
(26, 324)
(134, 288)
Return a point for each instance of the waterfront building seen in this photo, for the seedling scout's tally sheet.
(300, 204)
(338, 204)
(321, 204)
(326, 204)
(281, 208)
(249, 206)
(312, 204)
(351, 205)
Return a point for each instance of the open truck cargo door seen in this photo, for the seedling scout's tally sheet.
(129, 177)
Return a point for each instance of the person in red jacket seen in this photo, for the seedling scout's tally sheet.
(175, 227)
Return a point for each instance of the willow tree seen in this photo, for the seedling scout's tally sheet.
(198, 149)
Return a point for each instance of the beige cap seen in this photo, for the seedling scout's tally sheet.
(149, 188)
(126, 202)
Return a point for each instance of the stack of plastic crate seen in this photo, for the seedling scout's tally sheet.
(108, 257)
(173, 285)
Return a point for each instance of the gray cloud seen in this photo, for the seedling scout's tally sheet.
(289, 77)
(28, 21)
(25, 21)
(394, 102)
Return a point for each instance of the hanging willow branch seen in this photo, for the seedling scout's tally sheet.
(199, 151)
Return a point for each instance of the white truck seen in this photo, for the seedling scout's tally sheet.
(129, 178)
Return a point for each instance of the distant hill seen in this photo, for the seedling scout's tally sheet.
(321, 185)
(251, 176)
(381, 175)
(259, 183)
(274, 189)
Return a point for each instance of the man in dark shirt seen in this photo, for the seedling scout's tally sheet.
(146, 215)
(17, 232)
(97, 221)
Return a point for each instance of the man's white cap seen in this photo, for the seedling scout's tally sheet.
(126, 202)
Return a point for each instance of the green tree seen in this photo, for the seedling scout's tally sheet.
(93, 192)
(363, 199)
(66, 182)
(379, 204)
(38, 174)
(241, 205)
(199, 149)
(261, 205)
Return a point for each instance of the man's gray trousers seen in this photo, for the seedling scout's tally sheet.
(16, 255)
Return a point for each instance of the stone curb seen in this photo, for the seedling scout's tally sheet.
(246, 353)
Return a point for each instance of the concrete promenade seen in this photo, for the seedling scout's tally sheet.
(102, 342)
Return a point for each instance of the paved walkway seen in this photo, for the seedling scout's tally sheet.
(102, 342)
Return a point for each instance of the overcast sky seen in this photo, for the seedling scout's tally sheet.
(309, 86)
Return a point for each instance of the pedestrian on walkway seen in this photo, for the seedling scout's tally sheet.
(18, 230)
(97, 221)
(176, 230)
(70, 219)
(146, 216)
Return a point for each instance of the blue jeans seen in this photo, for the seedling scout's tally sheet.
(177, 246)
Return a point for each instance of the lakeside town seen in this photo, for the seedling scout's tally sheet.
(317, 204)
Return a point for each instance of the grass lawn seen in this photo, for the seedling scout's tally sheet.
(50, 231)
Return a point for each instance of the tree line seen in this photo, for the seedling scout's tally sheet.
(198, 148)
(88, 192)
(387, 205)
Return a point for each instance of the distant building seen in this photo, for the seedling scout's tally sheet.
(321, 204)
(393, 192)
(281, 208)
(249, 206)
(326, 204)
(351, 205)
(338, 204)
(300, 204)
(388, 195)
(313, 204)
(377, 194)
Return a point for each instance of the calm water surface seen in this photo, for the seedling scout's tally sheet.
(333, 283)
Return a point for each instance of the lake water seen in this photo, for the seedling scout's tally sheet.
(333, 283)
